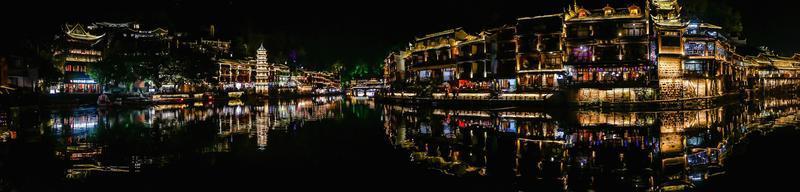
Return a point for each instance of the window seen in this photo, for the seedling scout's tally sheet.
(633, 29)
(610, 53)
(635, 52)
(580, 31)
(552, 62)
(695, 49)
(711, 47)
(448, 74)
(582, 54)
(670, 41)
(424, 75)
(584, 31)
(550, 44)
(693, 67)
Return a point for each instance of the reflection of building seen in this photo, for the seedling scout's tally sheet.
(6, 133)
(634, 150)
(78, 48)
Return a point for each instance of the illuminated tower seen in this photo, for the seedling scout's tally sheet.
(668, 47)
(262, 70)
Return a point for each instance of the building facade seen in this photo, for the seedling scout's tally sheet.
(432, 57)
(607, 54)
(77, 48)
(237, 74)
(540, 53)
(611, 54)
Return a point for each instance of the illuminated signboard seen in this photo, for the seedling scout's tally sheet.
(89, 81)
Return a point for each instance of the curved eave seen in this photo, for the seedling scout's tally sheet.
(86, 37)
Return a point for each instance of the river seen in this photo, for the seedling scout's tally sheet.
(347, 143)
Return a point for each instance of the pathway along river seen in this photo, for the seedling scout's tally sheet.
(343, 143)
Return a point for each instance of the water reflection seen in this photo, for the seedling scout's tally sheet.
(580, 150)
(112, 141)
(525, 149)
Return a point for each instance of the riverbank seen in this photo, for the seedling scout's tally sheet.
(556, 100)
(31, 100)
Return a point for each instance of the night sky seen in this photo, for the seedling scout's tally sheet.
(323, 32)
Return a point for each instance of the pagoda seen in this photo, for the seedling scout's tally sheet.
(262, 71)
(668, 48)
(78, 48)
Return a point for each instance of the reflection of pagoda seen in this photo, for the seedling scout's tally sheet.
(78, 48)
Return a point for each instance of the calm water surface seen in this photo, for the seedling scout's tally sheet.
(343, 143)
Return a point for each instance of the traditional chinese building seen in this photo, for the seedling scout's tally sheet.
(394, 71)
(262, 71)
(767, 72)
(607, 54)
(236, 74)
(432, 56)
(540, 52)
(77, 48)
(708, 68)
(133, 41)
(281, 79)
(668, 27)
(501, 46)
(217, 48)
(620, 53)
(473, 63)
(321, 82)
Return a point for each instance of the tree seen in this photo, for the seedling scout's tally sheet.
(49, 72)
(715, 12)
(194, 66)
(38, 55)
(337, 67)
(114, 68)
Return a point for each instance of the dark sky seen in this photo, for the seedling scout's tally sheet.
(348, 31)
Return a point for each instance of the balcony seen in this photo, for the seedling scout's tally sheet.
(671, 50)
(640, 82)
